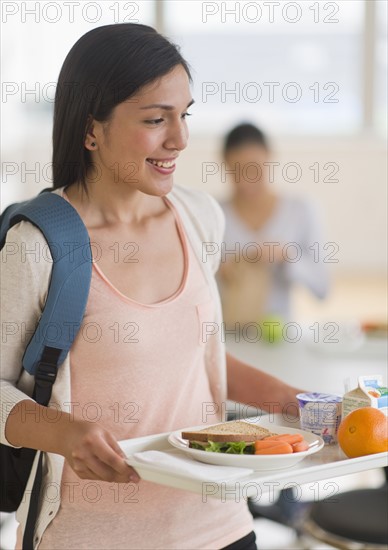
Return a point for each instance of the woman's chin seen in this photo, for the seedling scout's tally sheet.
(250, 196)
(160, 188)
(166, 186)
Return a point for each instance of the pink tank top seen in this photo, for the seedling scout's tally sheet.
(139, 369)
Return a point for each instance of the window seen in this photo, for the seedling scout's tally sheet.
(293, 67)
(381, 68)
(36, 37)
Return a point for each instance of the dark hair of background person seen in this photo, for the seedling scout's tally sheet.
(244, 134)
(105, 67)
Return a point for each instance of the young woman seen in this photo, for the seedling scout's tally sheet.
(120, 123)
(275, 234)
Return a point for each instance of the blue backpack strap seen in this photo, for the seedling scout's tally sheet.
(60, 321)
(69, 244)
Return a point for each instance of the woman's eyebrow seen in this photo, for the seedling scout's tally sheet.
(165, 107)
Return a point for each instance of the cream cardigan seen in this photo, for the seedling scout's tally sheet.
(25, 277)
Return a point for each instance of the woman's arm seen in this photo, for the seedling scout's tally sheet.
(249, 385)
(311, 269)
(91, 451)
(25, 275)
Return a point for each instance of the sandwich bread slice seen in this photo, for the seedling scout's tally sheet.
(235, 437)
(229, 431)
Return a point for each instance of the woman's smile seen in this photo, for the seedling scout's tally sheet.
(166, 166)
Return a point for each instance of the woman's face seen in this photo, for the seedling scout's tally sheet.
(248, 173)
(140, 144)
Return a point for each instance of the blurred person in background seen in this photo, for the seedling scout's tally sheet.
(269, 238)
(268, 247)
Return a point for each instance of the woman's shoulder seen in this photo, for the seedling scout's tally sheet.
(300, 206)
(26, 265)
(26, 246)
(201, 208)
(23, 233)
(195, 198)
(27, 251)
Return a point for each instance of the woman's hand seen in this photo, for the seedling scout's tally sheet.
(93, 453)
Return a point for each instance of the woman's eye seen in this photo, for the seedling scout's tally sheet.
(154, 121)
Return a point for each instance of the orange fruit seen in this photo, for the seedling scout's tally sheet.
(363, 432)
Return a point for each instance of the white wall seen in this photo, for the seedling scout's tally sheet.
(354, 209)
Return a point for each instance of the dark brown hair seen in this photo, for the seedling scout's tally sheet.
(244, 134)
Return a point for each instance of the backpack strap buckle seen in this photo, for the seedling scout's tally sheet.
(46, 374)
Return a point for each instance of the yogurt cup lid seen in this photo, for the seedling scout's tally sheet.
(319, 397)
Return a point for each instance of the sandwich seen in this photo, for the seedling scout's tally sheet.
(237, 437)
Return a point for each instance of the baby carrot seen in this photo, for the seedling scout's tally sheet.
(288, 438)
(264, 444)
(300, 446)
(281, 447)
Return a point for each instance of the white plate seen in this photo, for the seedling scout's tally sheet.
(256, 462)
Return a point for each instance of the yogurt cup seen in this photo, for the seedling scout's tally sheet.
(320, 413)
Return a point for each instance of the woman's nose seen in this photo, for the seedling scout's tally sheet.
(177, 137)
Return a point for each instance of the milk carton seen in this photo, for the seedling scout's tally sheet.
(370, 393)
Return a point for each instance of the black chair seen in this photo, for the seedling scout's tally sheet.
(352, 520)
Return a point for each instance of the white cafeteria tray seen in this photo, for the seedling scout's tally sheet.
(328, 463)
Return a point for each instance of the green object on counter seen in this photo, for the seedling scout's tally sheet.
(272, 329)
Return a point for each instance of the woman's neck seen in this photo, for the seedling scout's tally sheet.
(257, 210)
(103, 206)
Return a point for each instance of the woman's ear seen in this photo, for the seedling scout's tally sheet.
(90, 138)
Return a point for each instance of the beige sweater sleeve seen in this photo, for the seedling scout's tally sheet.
(25, 273)
(206, 223)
